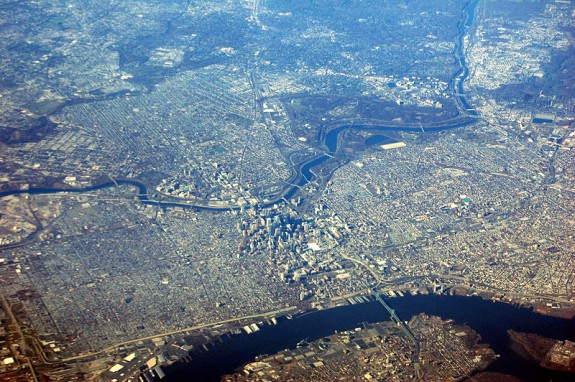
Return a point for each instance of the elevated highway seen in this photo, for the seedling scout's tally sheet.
(406, 330)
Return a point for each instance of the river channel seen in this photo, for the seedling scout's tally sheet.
(328, 139)
(490, 319)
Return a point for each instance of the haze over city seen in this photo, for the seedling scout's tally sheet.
(311, 190)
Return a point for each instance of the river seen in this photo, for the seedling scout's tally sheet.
(328, 138)
(490, 319)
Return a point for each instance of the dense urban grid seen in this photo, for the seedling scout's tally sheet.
(375, 352)
(175, 171)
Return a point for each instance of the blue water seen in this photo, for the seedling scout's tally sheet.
(459, 79)
(491, 320)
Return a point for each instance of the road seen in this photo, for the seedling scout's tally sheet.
(269, 314)
(22, 346)
(406, 330)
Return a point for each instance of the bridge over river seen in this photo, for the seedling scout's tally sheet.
(406, 330)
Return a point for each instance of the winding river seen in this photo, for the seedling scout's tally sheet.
(489, 319)
(328, 137)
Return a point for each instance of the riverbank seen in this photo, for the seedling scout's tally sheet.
(490, 319)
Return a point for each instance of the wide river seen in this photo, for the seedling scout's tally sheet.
(490, 319)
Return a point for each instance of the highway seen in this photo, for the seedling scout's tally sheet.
(18, 352)
(269, 314)
(406, 330)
